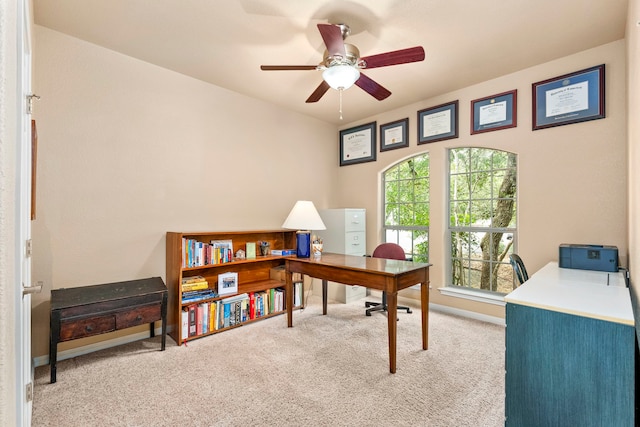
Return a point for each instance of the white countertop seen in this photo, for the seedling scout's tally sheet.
(596, 294)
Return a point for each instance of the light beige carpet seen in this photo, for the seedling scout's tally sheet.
(325, 371)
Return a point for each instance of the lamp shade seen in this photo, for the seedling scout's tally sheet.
(341, 76)
(304, 216)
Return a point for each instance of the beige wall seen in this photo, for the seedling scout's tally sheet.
(128, 151)
(571, 179)
(633, 141)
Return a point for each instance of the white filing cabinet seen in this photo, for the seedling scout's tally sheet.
(345, 234)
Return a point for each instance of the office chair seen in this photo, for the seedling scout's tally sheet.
(386, 251)
(518, 268)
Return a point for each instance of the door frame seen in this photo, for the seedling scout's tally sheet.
(23, 358)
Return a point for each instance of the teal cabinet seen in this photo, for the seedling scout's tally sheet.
(570, 352)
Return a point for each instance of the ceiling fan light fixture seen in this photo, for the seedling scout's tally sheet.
(341, 76)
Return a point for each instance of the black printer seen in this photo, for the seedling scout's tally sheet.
(589, 257)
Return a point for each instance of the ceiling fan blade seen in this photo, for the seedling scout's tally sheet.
(402, 56)
(287, 67)
(317, 94)
(332, 36)
(372, 88)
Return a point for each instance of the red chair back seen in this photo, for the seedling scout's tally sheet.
(389, 251)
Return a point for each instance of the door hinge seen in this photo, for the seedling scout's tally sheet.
(30, 392)
(30, 99)
(29, 248)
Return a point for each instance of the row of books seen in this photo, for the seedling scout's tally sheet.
(199, 319)
(198, 254)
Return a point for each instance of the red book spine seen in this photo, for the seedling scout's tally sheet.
(252, 306)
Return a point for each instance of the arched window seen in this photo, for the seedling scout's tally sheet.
(482, 218)
(406, 206)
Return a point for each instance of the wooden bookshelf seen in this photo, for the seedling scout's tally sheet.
(254, 275)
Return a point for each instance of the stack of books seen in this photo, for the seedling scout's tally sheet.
(195, 288)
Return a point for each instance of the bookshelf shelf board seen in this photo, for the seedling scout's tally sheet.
(238, 261)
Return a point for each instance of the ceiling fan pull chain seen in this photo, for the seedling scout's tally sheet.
(340, 90)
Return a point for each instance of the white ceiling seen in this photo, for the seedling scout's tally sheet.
(224, 42)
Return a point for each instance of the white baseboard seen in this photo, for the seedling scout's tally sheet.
(413, 302)
(469, 314)
(90, 348)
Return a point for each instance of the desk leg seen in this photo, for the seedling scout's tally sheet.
(163, 314)
(325, 287)
(424, 308)
(54, 337)
(392, 320)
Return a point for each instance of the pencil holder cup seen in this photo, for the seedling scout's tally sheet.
(317, 249)
(264, 248)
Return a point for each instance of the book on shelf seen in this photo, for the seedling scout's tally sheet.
(238, 313)
(212, 316)
(205, 317)
(226, 315)
(184, 324)
(192, 279)
(220, 315)
(192, 320)
(279, 299)
(283, 252)
(251, 250)
(195, 286)
(199, 315)
(252, 305)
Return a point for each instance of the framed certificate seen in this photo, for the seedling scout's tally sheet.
(394, 135)
(358, 144)
(438, 123)
(494, 112)
(571, 98)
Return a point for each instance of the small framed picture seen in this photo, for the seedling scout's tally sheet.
(494, 112)
(394, 135)
(358, 144)
(438, 123)
(227, 283)
(571, 98)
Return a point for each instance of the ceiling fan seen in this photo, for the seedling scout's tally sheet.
(342, 63)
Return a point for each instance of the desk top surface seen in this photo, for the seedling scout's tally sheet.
(390, 267)
(83, 295)
(595, 294)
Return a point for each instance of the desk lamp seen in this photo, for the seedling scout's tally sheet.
(303, 217)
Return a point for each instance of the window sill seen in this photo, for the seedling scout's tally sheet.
(473, 294)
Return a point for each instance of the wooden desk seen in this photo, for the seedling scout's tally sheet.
(91, 310)
(385, 275)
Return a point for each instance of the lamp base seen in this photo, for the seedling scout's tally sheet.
(303, 244)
